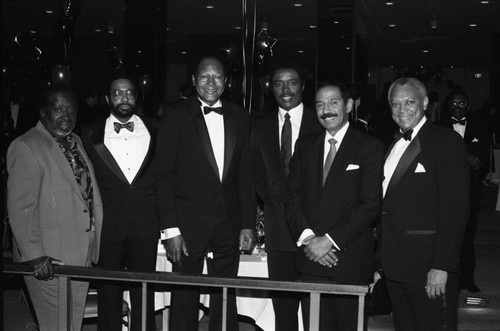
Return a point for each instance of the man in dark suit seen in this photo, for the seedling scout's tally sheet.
(424, 212)
(333, 197)
(473, 129)
(206, 192)
(273, 141)
(122, 149)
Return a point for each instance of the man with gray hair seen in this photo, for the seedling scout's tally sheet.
(424, 212)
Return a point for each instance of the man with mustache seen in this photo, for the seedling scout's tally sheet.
(54, 206)
(273, 141)
(122, 149)
(424, 212)
(333, 198)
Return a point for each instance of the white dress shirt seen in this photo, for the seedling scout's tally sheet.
(295, 120)
(396, 152)
(459, 128)
(128, 148)
(339, 136)
(215, 126)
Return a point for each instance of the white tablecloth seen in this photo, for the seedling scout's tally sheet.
(260, 309)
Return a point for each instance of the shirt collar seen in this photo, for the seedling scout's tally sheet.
(339, 136)
(418, 127)
(204, 104)
(294, 112)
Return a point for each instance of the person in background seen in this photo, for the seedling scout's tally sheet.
(205, 192)
(333, 197)
(122, 148)
(472, 127)
(273, 142)
(54, 206)
(424, 213)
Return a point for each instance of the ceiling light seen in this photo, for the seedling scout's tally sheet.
(209, 6)
(348, 48)
(97, 30)
(312, 26)
(472, 25)
(451, 67)
(139, 51)
(434, 22)
(33, 31)
(425, 51)
(300, 51)
(485, 2)
(297, 4)
(389, 3)
(237, 27)
(392, 25)
(48, 11)
(184, 52)
(478, 75)
(336, 22)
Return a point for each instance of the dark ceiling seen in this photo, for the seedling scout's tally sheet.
(410, 42)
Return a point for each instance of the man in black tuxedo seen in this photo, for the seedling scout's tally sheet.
(424, 212)
(473, 129)
(122, 149)
(332, 199)
(273, 141)
(206, 192)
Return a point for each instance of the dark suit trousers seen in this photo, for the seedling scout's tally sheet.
(414, 311)
(134, 255)
(337, 312)
(185, 299)
(281, 265)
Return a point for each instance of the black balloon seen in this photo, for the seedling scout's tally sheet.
(61, 74)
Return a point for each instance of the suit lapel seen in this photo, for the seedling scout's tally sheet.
(97, 138)
(229, 140)
(404, 162)
(203, 136)
(150, 153)
(342, 157)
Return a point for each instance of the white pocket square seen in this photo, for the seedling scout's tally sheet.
(352, 167)
(420, 168)
(475, 140)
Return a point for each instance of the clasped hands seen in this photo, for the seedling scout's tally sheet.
(320, 249)
(43, 267)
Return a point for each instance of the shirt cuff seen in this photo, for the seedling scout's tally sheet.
(333, 242)
(306, 233)
(169, 233)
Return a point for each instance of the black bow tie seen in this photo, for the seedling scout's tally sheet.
(460, 121)
(405, 135)
(129, 126)
(207, 110)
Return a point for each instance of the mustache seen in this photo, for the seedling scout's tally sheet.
(328, 115)
(287, 95)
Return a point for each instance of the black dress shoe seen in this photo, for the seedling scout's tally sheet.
(471, 288)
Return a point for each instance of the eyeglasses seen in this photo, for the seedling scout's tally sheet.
(118, 94)
(461, 103)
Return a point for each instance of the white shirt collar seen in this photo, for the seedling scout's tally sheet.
(204, 104)
(295, 113)
(418, 127)
(339, 136)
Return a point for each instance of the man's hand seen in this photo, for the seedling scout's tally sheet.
(474, 162)
(247, 239)
(174, 247)
(436, 283)
(330, 259)
(43, 267)
(318, 248)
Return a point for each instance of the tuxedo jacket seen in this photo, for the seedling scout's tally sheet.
(476, 138)
(270, 177)
(425, 208)
(129, 208)
(191, 194)
(47, 212)
(345, 207)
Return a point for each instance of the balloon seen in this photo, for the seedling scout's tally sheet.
(144, 83)
(115, 56)
(60, 74)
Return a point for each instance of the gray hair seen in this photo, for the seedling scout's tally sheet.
(415, 83)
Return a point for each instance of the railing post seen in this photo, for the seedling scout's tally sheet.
(65, 301)
(144, 301)
(224, 308)
(314, 311)
(361, 312)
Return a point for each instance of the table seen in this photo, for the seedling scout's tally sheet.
(260, 308)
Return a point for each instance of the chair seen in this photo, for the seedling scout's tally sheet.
(91, 308)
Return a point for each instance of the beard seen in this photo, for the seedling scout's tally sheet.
(123, 109)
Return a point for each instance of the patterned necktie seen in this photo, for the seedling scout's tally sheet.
(329, 158)
(286, 143)
(118, 126)
(207, 110)
(460, 121)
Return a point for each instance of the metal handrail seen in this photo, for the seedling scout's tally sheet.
(315, 289)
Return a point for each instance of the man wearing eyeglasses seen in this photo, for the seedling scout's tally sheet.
(122, 148)
(472, 128)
